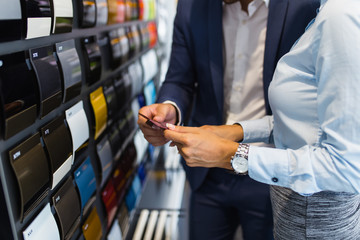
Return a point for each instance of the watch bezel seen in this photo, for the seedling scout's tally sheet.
(241, 155)
(234, 164)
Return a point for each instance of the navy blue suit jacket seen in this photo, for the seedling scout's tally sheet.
(194, 80)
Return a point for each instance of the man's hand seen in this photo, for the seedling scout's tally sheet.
(160, 113)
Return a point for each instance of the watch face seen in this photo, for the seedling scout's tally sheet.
(240, 164)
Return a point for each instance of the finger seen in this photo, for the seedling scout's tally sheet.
(156, 141)
(175, 136)
(182, 129)
(165, 113)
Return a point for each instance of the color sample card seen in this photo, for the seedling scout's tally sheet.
(63, 16)
(92, 59)
(115, 232)
(85, 181)
(19, 104)
(92, 226)
(31, 169)
(98, 103)
(78, 124)
(87, 13)
(48, 75)
(105, 156)
(43, 227)
(110, 202)
(38, 18)
(111, 101)
(69, 64)
(150, 65)
(11, 20)
(59, 147)
(101, 12)
(67, 206)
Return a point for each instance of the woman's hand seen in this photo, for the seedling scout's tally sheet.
(233, 133)
(200, 147)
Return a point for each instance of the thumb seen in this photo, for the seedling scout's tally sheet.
(182, 129)
(165, 113)
(173, 135)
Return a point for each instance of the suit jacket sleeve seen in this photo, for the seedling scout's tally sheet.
(180, 78)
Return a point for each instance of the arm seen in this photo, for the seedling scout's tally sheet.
(179, 84)
(213, 146)
(332, 164)
(176, 92)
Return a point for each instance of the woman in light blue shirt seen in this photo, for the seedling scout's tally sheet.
(315, 168)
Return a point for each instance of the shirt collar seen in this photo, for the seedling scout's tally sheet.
(255, 5)
(266, 3)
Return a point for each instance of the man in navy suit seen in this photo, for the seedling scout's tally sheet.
(223, 57)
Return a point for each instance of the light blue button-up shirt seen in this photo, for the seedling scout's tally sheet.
(315, 98)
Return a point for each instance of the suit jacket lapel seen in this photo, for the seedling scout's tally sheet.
(276, 19)
(215, 49)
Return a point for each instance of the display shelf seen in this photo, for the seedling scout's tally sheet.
(27, 214)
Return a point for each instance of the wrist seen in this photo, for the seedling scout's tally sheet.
(237, 132)
(229, 152)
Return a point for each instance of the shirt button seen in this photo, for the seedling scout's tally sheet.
(243, 22)
(274, 179)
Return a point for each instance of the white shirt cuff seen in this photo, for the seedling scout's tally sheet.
(177, 109)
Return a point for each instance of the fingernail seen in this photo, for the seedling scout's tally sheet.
(170, 126)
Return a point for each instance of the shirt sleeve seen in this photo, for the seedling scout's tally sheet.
(332, 164)
(259, 130)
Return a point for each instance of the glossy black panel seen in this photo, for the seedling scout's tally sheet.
(124, 44)
(38, 8)
(67, 206)
(18, 93)
(70, 68)
(115, 48)
(10, 20)
(132, 44)
(58, 144)
(48, 75)
(92, 59)
(32, 172)
(145, 36)
(124, 131)
(105, 156)
(116, 141)
(87, 13)
(63, 24)
(111, 101)
(123, 89)
(130, 118)
(137, 39)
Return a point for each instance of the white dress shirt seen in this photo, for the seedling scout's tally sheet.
(244, 45)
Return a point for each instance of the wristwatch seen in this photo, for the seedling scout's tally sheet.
(239, 162)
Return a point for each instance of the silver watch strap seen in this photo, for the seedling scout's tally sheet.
(243, 150)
